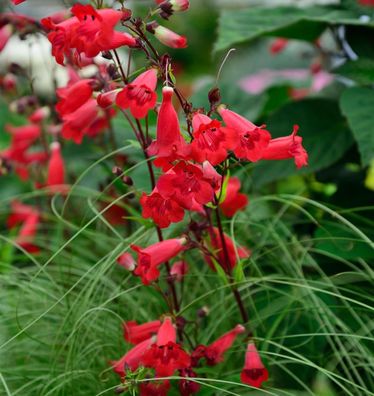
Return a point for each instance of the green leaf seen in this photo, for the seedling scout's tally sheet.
(361, 71)
(243, 25)
(357, 105)
(325, 134)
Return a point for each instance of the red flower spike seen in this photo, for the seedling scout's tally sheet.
(140, 95)
(211, 140)
(162, 211)
(169, 144)
(134, 333)
(254, 372)
(153, 388)
(126, 261)
(132, 359)
(186, 184)
(166, 356)
(178, 270)
(287, 147)
(56, 167)
(252, 139)
(234, 201)
(187, 387)
(152, 256)
(168, 37)
(214, 352)
(216, 246)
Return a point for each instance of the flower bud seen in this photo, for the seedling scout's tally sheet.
(126, 261)
(167, 36)
(214, 96)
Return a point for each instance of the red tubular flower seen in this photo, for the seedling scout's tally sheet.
(167, 36)
(186, 184)
(178, 270)
(162, 211)
(126, 261)
(187, 387)
(152, 388)
(252, 139)
(29, 217)
(214, 352)
(140, 95)
(107, 99)
(169, 144)
(134, 333)
(56, 167)
(287, 147)
(254, 372)
(234, 200)
(73, 96)
(165, 356)
(132, 359)
(39, 114)
(211, 140)
(216, 246)
(152, 256)
(278, 45)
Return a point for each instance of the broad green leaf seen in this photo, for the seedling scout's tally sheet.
(325, 134)
(243, 25)
(361, 71)
(357, 105)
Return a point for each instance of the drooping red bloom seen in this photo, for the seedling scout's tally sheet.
(150, 258)
(140, 95)
(29, 219)
(234, 200)
(167, 36)
(186, 184)
(56, 167)
(169, 144)
(252, 139)
(214, 352)
(186, 386)
(126, 261)
(178, 270)
(287, 147)
(73, 96)
(215, 245)
(162, 211)
(132, 359)
(135, 333)
(211, 140)
(254, 372)
(278, 45)
(89, 31)
(153, 388)
(165, 356)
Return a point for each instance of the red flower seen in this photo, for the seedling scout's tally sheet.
(287, 147)
(178, 270)
(278, 45)
(16, 2)
(165, 356)
(214, 352)
(152, 388)
(252, 139)
(127, 261)
(134, 333)
(234, 200)
(56, 167)
(162, 211)
(90, 31)
(368, 3)
(216, 246)
(73, 96)
(132, 359)
(211, 140)
(254, 372)
(187, 387)
(186, 184)
(29, 219)
(107, 99)
(167, 36)
(152, 256)
(169, 144)
(140, 95)
(39, 114)
(6, 32)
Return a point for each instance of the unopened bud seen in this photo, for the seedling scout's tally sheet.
(127, 180)
(203, 312)
(116, 170)
(214, 96)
